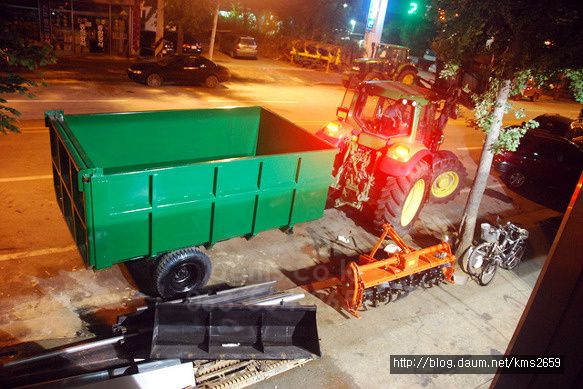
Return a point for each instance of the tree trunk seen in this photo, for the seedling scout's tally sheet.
(214, 31)
(468, 224)
(179, 37)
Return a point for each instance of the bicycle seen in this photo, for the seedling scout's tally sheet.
(502, 245)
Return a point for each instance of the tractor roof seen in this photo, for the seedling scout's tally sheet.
(391, 45)
(395, 90)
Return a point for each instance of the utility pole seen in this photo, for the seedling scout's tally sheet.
(374, 25)
(159, 44)
(214, 32)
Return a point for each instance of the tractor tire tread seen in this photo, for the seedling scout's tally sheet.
(392, 195)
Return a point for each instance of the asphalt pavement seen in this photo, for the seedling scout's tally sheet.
(48, 297)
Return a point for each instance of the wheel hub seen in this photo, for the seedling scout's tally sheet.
(445, 184)
(182, 274)
(517, 179)
(408, 79)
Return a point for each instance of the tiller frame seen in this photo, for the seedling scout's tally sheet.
(426, 267)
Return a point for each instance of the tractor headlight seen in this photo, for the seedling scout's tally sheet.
(399, 152)
(332, 129)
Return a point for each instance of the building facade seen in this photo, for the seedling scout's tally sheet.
(78, 26)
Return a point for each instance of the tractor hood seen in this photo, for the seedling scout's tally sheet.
(359, 61)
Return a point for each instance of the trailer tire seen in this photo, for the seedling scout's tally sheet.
(180, 272)
(448, 178)
(398, 200)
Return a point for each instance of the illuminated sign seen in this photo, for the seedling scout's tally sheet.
(373, 12)
(412, 8)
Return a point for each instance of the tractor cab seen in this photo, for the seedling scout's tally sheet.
(387, 110)
(388, 136)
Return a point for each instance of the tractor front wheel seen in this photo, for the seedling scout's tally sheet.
(373, 76)
(400, 199)
(407, 77)
(448, 178)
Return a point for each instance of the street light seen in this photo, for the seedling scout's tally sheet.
(353, 24)
(344, 5)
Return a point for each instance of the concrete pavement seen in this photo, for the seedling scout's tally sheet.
(48, 297)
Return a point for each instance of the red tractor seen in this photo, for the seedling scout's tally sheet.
(389, 163)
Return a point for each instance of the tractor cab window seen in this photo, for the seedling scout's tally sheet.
(385, 116)
(396, 118)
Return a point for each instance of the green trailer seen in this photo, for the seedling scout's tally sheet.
(156, 184)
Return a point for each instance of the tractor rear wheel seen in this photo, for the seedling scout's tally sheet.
(400, 199)
(448, 178)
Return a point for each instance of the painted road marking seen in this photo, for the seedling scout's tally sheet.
(35, 131)
(69, 101)
(26, 178)
(37, 253)
(254, 101)
(469, 148)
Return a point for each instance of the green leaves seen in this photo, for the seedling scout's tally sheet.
(449, 71)
(509, 138)
(18, 55)
(484, 105)
(576, 83)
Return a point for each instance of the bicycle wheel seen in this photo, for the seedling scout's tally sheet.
(515, 256)
(474, 262)
(488, 272)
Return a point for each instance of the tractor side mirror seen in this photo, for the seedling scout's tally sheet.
(341, 113)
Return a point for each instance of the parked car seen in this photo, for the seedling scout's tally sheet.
(148, 44)
(183, 69)
(560, 125)
(544, 159)
(239, 46)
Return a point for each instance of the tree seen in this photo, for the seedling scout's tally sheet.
(520, 39)
(18, 53)
(190, 16)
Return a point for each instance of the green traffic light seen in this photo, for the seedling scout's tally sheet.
(412, 8)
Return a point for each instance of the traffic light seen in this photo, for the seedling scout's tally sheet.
(413, 6)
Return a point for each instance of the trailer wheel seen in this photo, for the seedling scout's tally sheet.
(181, 271)
(154, 80)
(400, 199)
(449, 176)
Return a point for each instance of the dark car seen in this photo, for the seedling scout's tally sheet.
(180, 69)
(148, 44)
(544, 159)
(560, 125)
